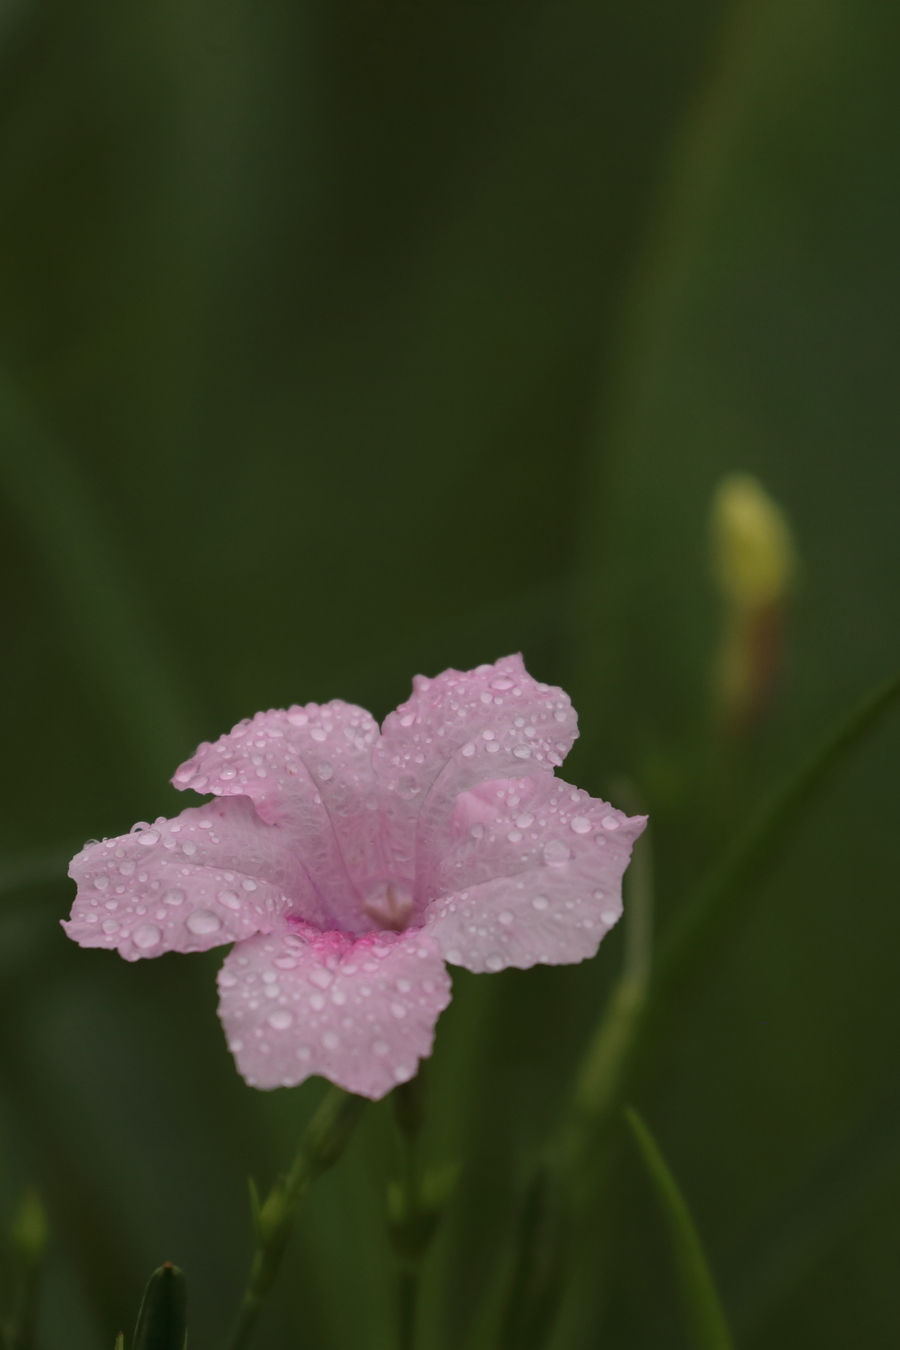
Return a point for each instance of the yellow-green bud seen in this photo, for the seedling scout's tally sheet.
(753, 552)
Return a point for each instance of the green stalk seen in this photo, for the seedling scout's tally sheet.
(323, 1143)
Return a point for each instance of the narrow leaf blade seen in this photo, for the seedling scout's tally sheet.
(702, 1305)
(162, 1320)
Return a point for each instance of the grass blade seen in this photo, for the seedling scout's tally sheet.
(109, 637)
(716, 906)
(702, 1306)
(162, 1320)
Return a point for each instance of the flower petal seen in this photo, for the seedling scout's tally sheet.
(526, 871)
(308, 771)
(359, 1012)
(214, 874)
(461, 729)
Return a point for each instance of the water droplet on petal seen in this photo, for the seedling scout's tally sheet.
(495, 962)
(609, 916)
(280, 1020)
(556, 854)
(325, 771)
(229, 899)
(610, 823)
(397, 1009)
(148, 837)
(148, 935)
(540, 902)
(502, 682)
(580, 824)
(505, 917)
(173, 896)
(468, 749)
(203, 921)
(524, 820)
(380, 1047)
(330, 1041)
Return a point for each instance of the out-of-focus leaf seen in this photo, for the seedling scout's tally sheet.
(859, 1175)
(720, 903)
(162, 1320)
(702, 1306)
(110, 632)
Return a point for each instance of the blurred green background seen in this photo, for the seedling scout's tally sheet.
(345, 339)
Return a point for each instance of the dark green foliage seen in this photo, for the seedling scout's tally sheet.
(162, 1320)
(342, 339)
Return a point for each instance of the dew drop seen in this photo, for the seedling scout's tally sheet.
(468, 749)
(540, 902)
(555, 853)
(203, 921)
(505, 917)
(494, 962)
(610, 823)
(325, 770)
(580, 824)
(229, 899)
(330, 1041)
(280, 1019)
(380, 1048)
(148, 935)
(397, 1009)
(173, 896)
(148, 837)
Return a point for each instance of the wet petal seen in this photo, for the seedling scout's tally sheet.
(359, 1012)
(214, 874)
(308, 771)
(461, 729)
(527, 871)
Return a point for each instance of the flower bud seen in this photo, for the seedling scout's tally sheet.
(754, 564)
(753, 552)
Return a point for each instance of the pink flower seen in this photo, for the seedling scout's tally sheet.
(346, 865)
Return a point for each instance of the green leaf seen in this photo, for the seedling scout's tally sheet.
(109, 632)
(162, 1320)
(704, 1311)
(717, 906)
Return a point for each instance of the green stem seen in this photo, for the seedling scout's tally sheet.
(322, 1144)
(599, 1080)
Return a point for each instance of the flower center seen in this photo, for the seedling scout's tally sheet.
(390, 905)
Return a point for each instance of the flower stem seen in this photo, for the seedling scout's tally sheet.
(322, 1144)
(599, 1079)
